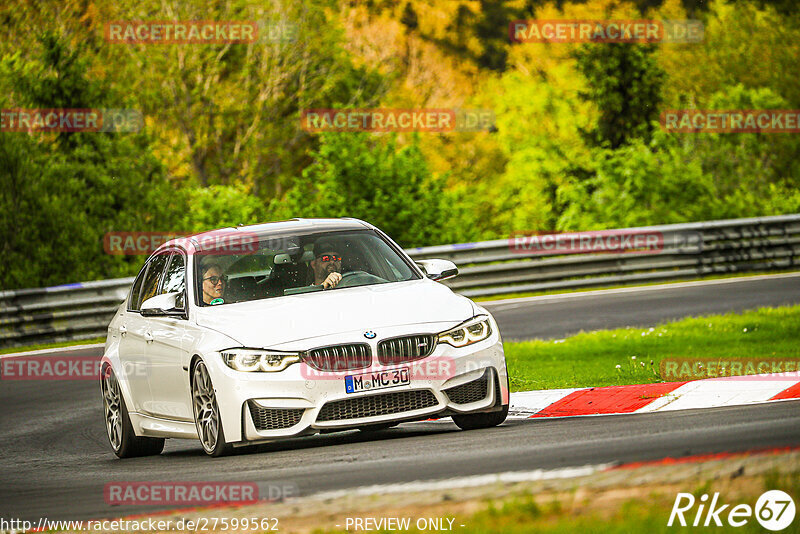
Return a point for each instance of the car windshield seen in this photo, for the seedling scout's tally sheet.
(298, 263)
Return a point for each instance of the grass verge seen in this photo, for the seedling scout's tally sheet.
(591, 359)
(604, 508)
(522, 515)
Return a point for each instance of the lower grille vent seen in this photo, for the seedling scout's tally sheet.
(471, 391)
(388, 403)
(274, 418)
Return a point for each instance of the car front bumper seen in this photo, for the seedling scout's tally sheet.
(257, 407)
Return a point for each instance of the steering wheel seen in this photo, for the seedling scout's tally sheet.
(351, 278)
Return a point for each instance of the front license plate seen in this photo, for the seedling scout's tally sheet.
(377, 380)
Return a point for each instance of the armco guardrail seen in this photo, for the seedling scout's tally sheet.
(62, 313)
(489, 268)
(690, 250)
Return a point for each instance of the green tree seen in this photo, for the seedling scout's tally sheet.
(539, 121)
(492, 30)
(355, 175)
(229, 113)
(755, 173)
(624, 82)
(742, 44)
(639, 184)
(216, 206)
(691, 176)
(409, 17)
(63, 192)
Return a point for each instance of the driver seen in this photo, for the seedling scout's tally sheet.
(326, 265)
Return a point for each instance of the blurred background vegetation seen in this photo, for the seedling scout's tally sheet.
(576, 146)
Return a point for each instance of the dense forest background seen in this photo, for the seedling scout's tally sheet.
(576, 146)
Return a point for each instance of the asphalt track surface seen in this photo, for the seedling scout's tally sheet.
(55, 461)
(557, 316)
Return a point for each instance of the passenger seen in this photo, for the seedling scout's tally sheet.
(214, 283)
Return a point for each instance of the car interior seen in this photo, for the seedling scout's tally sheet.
(275, 272)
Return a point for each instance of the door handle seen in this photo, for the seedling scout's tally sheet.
(122, 330)
(148, 337)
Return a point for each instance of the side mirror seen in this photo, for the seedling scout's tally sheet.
(438, 270)
(163, 305)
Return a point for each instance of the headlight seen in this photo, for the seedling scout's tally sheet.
(468, 334)
(258, 360)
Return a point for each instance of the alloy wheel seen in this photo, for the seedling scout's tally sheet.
(113, 411)
(206, 413)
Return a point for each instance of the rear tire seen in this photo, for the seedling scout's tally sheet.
(123, 440)
(474, 421)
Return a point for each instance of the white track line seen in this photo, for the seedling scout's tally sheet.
(508, 477)
(509, 304)
(48, 351)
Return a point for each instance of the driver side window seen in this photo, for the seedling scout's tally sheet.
(136, 290)
(175, 279)
(155, 273)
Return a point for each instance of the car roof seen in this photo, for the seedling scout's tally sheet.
(344, 223)
(265, 230)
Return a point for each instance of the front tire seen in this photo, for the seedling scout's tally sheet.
(124, 442)
(474, 421)
(206, 413)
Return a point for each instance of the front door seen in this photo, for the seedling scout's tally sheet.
(167, 360)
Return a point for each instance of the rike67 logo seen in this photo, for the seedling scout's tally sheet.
(774, 510)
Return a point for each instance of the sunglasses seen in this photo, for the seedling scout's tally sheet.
(217, 279)
(329, 257)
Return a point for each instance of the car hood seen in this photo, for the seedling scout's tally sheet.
(270, 322)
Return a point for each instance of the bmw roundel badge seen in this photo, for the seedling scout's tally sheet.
(369, 334)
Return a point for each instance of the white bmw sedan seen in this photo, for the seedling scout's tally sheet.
(252, 334)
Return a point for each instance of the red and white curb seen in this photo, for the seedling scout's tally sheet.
(641, 398)
(644, 398)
